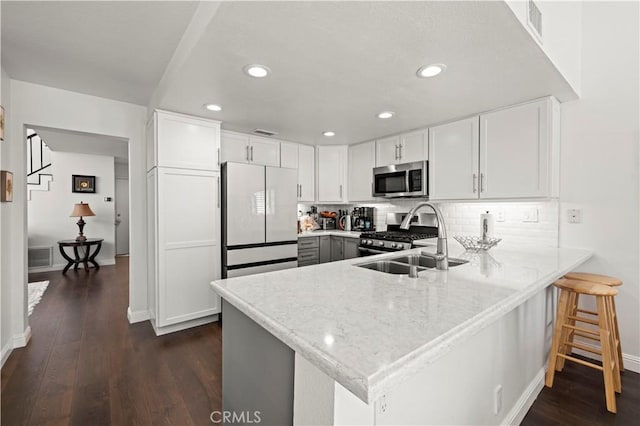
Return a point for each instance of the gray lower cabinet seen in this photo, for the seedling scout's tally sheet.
(337, 248)
(351, 248)
(325, 249)
(308, 251)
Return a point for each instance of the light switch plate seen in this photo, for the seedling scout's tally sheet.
(574, 216)
(500, 215)
(530, 215)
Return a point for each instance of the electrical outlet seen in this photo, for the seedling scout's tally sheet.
(383, 404)
(500, 215)
(497, 399)
(530, 215)
(574, 216)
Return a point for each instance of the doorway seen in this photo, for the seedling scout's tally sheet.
(122, 215)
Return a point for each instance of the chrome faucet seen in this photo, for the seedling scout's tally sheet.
(442, 252)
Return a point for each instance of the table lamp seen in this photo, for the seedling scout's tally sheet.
(79, 210)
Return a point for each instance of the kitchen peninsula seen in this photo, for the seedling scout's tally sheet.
(339, 344)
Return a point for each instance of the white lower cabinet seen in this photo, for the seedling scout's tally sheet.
(183, 216)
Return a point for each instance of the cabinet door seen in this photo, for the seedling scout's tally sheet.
(337, 248)
(387, 151)
(514, 151)
(306, 173)
(351, 247)
(264, 151)
(188, 245)
(413, 147)
(187, 142)
(362, 160)
(331, 163)
(289, 155)
(234, 147)
(325, 249)
(453, 160)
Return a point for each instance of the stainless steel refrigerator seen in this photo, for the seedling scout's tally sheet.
(259, 205)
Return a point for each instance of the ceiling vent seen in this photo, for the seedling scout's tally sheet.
(264, 132)
(535, 19)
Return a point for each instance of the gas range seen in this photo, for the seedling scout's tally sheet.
(396, 239)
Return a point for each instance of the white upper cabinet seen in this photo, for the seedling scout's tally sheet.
(362, 160)
(289, 155)
(306, 173)
(387, 150)
(242, 148)
(405, 148)
(453, 160)
(332, 173)
(180, 141)
(515, 151)
(413, 146)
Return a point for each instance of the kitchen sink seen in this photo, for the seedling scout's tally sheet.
(425, 261)
(389, 267)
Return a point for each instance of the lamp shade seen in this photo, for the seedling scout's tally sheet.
(81, 209)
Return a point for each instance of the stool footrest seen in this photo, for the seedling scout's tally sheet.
(584, 311)
(584, 347)
(582, 319)
(584, 330)
(588, 336)
(579, 361)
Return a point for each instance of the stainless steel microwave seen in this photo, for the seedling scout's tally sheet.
(402, 180)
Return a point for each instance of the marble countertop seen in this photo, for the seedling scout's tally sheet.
(370, 330)
(336, 232)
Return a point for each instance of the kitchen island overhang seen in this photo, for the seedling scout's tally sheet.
(370, 331)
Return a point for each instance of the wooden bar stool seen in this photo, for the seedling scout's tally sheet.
(566, 323)
(605, 280)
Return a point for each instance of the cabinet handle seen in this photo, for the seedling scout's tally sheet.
(474, 182)
(400, 152)
(300, 190)
(481, 182)
(341, 192)
(396, 153)
(247, 153)
(251, 149)
(219, 196)
(218, 156)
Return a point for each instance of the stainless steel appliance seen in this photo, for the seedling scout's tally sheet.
(328, 223)
(259, 206)
(423, 226)
(401, 180)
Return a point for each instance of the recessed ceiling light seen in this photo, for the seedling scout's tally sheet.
(256, 70)
(386, 114)
(431, 70)
(213, 107)
(329, 133)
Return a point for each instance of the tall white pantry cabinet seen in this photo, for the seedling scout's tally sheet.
(183, 220)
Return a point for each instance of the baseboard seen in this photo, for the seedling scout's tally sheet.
(183, 325)
(6, 351)
(526, 400)
(61, 266)
(631, 362)
(137, 316)
(21, 340)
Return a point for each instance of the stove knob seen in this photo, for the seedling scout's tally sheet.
(381, 243)
(368, 242)
(394, 245)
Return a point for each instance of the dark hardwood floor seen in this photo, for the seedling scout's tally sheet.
(86, 365)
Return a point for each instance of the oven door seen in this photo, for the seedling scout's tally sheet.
(401, 180)
(367, 251)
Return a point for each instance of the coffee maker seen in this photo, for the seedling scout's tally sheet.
(363, 218)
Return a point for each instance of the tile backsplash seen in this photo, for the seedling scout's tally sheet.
(516, 222)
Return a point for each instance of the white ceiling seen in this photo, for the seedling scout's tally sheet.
(84, 143)
(117, 50)
(335, 65)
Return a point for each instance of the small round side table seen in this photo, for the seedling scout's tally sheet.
(89, 257)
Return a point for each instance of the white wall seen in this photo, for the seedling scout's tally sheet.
(561, 34)
(38, 105)
(600, 156)
(48, 218)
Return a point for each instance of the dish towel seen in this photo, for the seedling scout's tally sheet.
(35, 293)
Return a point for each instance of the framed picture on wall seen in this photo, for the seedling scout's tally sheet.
(1, 123)
(6, 186)
(81, 183)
